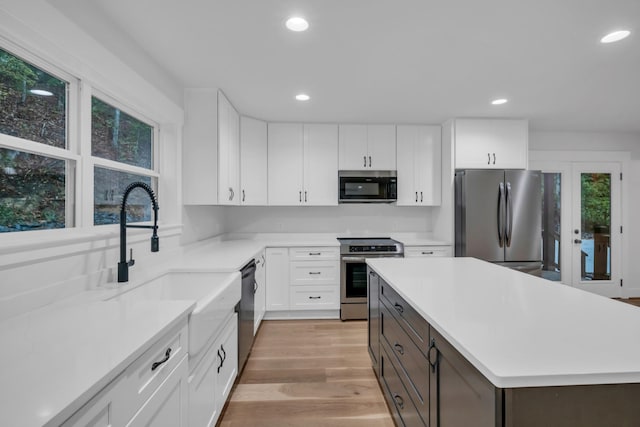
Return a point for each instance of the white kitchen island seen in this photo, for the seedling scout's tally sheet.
(528, 351)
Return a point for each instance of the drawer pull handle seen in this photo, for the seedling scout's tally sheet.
(314, 272)
(427, 252)
(224, 354)
(399, 348)
(399, 401)
(221, 361)
(167, 354)
(314, 253)
(399, 308)
(315, 297)
(434, 364)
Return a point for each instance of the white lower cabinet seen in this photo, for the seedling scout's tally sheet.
(317, 297)
(427, 251)
(102, 410)
(152, 388)
(302, 278)
(167, 406)
(260, 296)
(277, 282)
(211, 380)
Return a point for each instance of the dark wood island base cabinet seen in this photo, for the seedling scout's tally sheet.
(427, 382)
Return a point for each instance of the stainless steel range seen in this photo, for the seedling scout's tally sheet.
(353, 271)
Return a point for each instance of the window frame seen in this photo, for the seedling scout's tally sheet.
(70, 154)
(80, 163)
(94, 161)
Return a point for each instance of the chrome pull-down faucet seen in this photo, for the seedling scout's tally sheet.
(123, 265)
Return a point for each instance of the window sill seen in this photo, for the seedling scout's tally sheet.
(24, 247)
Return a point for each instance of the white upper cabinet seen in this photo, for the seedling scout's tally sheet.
(320, 165)
(253, 162)
(285, 163)
(491, 144)
(302, 164)
(367, 147)
(228, 152)
(419, 165)
(200, 147)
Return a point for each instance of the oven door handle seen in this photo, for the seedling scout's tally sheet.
(353, 259)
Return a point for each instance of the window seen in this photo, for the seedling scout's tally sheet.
(41, 149)
(34, 103)
(36, 166)
(122, 147)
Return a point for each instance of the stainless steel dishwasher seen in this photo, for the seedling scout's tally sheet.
(245, 311)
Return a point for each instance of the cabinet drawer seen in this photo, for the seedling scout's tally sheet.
(150, 370)
(314, 272)
(412, 365)
(415, 326)
(315, 298)
(427, 251)
(308, 253)
(402, 408)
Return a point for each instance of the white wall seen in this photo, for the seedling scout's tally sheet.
(202, 222)
(346, 218)
(41, 267)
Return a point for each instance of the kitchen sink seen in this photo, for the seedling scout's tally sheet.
(215, 295)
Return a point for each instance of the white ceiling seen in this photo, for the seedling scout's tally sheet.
(396, 61)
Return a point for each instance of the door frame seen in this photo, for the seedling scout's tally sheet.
(562, 162)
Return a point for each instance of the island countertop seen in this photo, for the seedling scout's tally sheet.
(519, 330)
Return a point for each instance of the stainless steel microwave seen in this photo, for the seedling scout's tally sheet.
(368, 186)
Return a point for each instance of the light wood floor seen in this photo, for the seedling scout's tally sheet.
(308, 373)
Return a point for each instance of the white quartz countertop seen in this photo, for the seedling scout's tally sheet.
(53, 360)
(519, 330)
(57, 357)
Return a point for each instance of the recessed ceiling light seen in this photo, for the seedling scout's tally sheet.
(296, 23)
(41, 92)
(499, 101)
(615, 36)
(303, 97)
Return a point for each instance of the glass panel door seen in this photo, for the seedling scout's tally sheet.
(551, 225)
(596, 228)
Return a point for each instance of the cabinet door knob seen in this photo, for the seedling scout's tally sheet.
(300, 196)
(488, 158)
(369, 161)
(243, 195)
(416, 197)
(305, 196)
(494, 158)
(421, 199)
(365, 161)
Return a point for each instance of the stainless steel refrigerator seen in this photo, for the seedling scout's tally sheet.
(498, 217)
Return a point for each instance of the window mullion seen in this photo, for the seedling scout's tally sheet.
(84, 188)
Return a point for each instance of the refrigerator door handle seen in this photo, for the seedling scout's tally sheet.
(509, 216)
(500, 214)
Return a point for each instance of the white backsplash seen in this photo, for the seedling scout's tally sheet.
(345, 218)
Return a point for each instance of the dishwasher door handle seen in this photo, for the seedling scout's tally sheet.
(353, 259)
